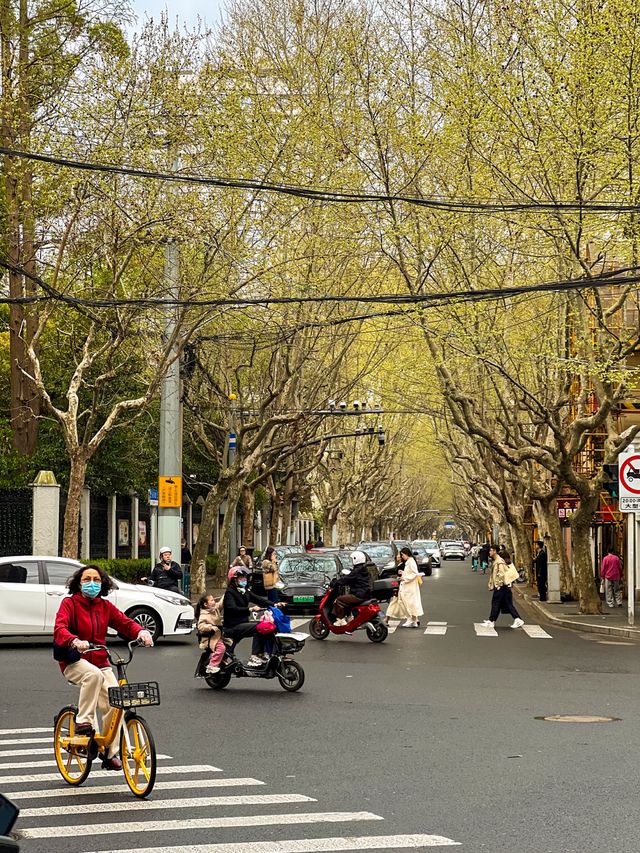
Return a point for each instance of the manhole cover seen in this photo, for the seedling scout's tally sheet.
(578, 718)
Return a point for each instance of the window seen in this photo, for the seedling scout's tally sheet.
(59, 573)
(19, 571)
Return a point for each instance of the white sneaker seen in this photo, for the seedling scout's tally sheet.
(211, 670)
(518, 623)
(488, 624)
(254, 661)
(409, 624)
(340, 623)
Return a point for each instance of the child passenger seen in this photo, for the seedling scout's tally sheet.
(208, 620)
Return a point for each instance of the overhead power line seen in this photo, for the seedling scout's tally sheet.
(329, 195)
(619, 278)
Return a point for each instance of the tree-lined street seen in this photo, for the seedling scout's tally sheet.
(434, 734)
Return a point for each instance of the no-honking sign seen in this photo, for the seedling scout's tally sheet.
(629, 480)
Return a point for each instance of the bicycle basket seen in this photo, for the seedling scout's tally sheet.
(134, 695)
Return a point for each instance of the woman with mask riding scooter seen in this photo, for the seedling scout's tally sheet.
(237, 604)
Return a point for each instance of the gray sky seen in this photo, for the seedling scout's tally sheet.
(187, 11)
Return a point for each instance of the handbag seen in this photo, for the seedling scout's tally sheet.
(266, 625)
(511, 575)
(396, 610)
(602, 587)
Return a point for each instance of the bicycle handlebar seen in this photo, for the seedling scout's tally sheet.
(131, 645)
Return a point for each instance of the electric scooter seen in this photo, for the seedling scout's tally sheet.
(278, 664)
(366, 615)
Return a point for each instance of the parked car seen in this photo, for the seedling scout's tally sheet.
(423, 559)
(384, 555)
(306, 578)
(432, 548)
(452, 550)
(31, 589)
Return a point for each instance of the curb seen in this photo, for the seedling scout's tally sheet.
(586, 627)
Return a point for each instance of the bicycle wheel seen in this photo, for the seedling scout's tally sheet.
(74, 762)
(138, 755)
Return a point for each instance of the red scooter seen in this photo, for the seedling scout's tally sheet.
(365, 615)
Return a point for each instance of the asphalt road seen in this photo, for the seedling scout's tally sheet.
(422, 736)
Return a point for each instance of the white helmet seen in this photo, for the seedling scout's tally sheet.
(164, 550)
(358, 558)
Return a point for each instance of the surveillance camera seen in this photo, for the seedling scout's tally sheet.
(342, 405)
(358, 430)
(332, 404)
(356, 404)
(381, 440)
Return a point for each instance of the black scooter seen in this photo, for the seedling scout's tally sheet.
(278, 664)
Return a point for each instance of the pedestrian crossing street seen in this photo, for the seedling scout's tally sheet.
(190, 804)
(439, 629)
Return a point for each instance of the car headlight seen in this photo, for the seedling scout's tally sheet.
(172, 598)
(436, 555)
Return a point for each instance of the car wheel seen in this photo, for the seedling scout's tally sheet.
(147, 619)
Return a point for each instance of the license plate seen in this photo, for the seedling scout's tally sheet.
(303, 599)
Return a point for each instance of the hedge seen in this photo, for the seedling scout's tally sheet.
(129, 571)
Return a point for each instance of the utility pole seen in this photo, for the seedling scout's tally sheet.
(170, 498)
(231, 445)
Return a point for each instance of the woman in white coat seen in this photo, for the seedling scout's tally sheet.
(409, 592)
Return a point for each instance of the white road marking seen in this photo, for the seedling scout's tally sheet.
(20, 740)
(98, 790)
(536, 632)
(27, 731)
(298, 623)
(194, 802)
(55, 777)
(14, 753)
(393, 625)
(197, 823)
(310, 845)
(484, 631)
(439, 628)
(23, 765)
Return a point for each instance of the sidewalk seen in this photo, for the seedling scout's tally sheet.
(613, 622)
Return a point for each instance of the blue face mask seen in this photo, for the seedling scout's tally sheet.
(242, 584)
(91, 588)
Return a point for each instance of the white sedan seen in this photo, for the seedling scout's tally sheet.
(31, 589)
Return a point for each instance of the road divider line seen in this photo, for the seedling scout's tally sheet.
(196, 823)
(536, 632)
(98, 790)
(130, 805)
(55, 777)
(484, 630)
(310, 845)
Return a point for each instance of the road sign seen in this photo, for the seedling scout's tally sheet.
(449, 524)
(233, 441)
(153, 497)
(170, 491)
(629, 480)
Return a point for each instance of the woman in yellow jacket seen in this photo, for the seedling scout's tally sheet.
(500, 580)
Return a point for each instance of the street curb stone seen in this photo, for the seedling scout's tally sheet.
(631, 633)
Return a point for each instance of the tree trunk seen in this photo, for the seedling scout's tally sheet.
(248, 516)
(224, 557)
(585, 578)
(551, 531)
(77, 476)
(201, 548)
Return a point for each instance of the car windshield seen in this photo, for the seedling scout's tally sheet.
(305, 568)
(377, 551)
(420, 550)
(428, 543)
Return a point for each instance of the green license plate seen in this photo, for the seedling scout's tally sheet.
(303, 599)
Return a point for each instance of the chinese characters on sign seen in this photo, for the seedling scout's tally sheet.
(170, 491)
(629, 480)
(567, 507)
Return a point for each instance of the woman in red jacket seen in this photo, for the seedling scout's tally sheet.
(82, 621)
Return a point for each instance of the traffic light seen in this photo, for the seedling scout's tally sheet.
(610, 484)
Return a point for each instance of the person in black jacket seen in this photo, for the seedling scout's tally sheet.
(483, 557)
(166, 574)
(237, 603)
(359, 582)
(540, 561)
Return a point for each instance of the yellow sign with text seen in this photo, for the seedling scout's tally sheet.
(170, 491)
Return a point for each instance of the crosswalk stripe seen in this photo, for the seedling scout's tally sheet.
(197, 823)
(23, 765)
(439, 628)
(537, 632)
(55, 777)
(98, 790)
(26, 731)
(19, 740)
(484, 630)
(298, 623)
(310, 845)
(186, 803)
(14, 753)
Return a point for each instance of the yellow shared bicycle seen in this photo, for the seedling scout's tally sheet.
(76, 753)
